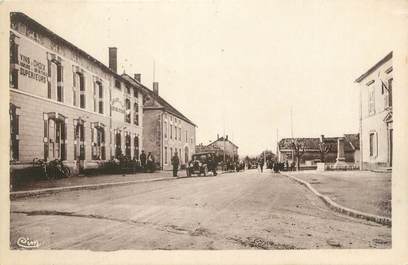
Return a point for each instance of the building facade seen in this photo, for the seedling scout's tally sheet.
(220, 147)
(65, 104)
(376, 115)
(165, 129)
(320, 149)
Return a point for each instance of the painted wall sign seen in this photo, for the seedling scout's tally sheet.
(117, 106)
(32, 68)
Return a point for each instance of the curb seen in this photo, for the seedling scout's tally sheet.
(22, 194)
(344, 210)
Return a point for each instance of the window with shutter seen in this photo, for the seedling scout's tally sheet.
(14, 133)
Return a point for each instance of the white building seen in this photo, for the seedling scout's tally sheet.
(376, 130)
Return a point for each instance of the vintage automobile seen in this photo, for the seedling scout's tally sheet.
(202, 163)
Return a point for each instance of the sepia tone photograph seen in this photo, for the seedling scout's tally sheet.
(203, 125)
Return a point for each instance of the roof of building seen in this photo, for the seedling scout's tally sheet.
(19, 16)
(308, 143)
(351, 143)
(221, 139)
(375, 67)
(163, 103)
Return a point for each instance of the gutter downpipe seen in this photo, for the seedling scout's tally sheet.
(361, 129)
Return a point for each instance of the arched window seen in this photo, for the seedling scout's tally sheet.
(136, 114)
(127, 146)
(98, 97)
(127, 113)
(82, 98)
(118, 144)
(79, 140)
(55, 83)
(13, 61)
(14, 131)
(78, 84)
(100, 94)
(98, 142)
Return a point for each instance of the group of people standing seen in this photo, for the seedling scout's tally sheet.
(147, 162)
(275, 166)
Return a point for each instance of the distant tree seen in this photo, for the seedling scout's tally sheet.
(298, 151)
(324, 149)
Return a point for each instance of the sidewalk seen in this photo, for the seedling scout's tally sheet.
(34, 188)
(364, 191)
(92, 180)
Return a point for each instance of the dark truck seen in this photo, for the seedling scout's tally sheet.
(202, 163)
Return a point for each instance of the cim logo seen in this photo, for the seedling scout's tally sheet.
(25, 242)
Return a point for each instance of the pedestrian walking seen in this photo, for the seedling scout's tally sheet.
(175, 161)
(143, 160)
(287, 165)
(292, 166)
(150, 162)
(261, 164)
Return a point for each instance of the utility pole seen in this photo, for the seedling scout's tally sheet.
(277, 145)
(224, 148)
(291, 122)
(291, 130)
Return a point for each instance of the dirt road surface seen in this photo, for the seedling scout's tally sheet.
(245, 210)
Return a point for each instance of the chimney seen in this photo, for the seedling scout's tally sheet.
(113, 59)
(137, 77)
(156, 88)
(322, 138)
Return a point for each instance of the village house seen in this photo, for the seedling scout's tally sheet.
(65, 104)
(376, 128)
(220, 147)
(323, 149)
(165, 129)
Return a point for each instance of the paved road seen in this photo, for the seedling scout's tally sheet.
(231, 211)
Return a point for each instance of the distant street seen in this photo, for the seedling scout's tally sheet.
(230, 211)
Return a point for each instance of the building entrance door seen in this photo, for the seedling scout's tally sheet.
(79, 149)
(55, 130)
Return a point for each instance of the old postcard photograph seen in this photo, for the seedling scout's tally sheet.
(204, 132)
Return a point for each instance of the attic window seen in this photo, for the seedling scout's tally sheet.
(117, 83)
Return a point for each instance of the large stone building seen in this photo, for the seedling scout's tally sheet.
(376, 115)
(65, 104)
(318, 149)
(165, 129)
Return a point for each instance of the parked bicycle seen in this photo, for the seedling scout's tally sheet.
(53, 169)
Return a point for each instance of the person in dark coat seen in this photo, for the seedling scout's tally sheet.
(175, 161)
(212, 163)
(150, 162)
(143, 160)
(261, 164)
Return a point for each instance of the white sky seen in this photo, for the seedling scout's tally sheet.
(240, 62)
